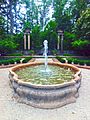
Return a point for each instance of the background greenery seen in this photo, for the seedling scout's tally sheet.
(71, 16)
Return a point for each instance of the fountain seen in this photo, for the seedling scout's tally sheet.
(45, 53)
(45, 85)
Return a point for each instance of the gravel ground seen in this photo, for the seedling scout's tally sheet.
(10, 109)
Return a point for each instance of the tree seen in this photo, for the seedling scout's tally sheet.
(61, 14)
(80, 44)
(43, 10)
(35, 36)
(68, 39)
(18, 39)
(7, 45)
(83, 25)
(7, 11)
(51, 35)
(2, 27)
(82, 47)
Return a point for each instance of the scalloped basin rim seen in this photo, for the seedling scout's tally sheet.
(19, 81)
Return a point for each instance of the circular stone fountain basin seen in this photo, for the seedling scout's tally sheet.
(46, 94)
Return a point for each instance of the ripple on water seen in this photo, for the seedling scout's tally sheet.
(38, 75)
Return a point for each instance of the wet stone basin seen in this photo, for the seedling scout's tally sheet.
(53, 88)
(38, 75)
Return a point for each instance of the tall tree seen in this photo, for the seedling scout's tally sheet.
(77, 7)
(83, 25)
(60, 14)
(43, 11)
(2, 28)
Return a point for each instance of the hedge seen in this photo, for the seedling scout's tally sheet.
(74, 60)
(13, 60)
(10, 61)
(27, 59)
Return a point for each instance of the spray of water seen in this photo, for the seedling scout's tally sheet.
(45, 43)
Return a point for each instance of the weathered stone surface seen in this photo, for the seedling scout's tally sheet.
(46, 96)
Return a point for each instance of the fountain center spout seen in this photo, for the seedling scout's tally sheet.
(45, 43)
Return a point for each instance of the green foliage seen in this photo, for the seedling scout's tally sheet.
(66, 14)
(31, 52)
(2, 27)
(80, 44)
(62, 14)
(66, 54)
(83, 33)
(27, 59)
(16, 54)
(83, 25)
(10, 61)
(36, 37)
(60, 59)
(13, 60)
(51, 35)
(68, 39)
(51, 26)
(8, 45)
(78, 61)
(26, 25)
(18, 38)
(74, 60)
(54, 52)
(70, 36)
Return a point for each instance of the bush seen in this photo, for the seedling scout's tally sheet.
(60, 59)
(66, 54)
(31, 52)
(26, 59)
(74, 60)
(78, 61)
(68, 39)
(16, 54)
(54, 52)
(70, 60)
(80, 44)
(7, 45)
(18, 38)
(10, 61)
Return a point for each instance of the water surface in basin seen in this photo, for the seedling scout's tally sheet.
(38, 75)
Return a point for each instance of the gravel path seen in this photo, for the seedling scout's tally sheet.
(10, 109)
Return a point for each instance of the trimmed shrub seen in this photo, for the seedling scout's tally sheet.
(16, 54)
(66, 54)
(60, 59)
(10, 61)
(31, 52)
(27, 59)
(74, 60)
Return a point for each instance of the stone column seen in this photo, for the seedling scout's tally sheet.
(58, 44)
(28, 41)
(61, 43)
(24, 41)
